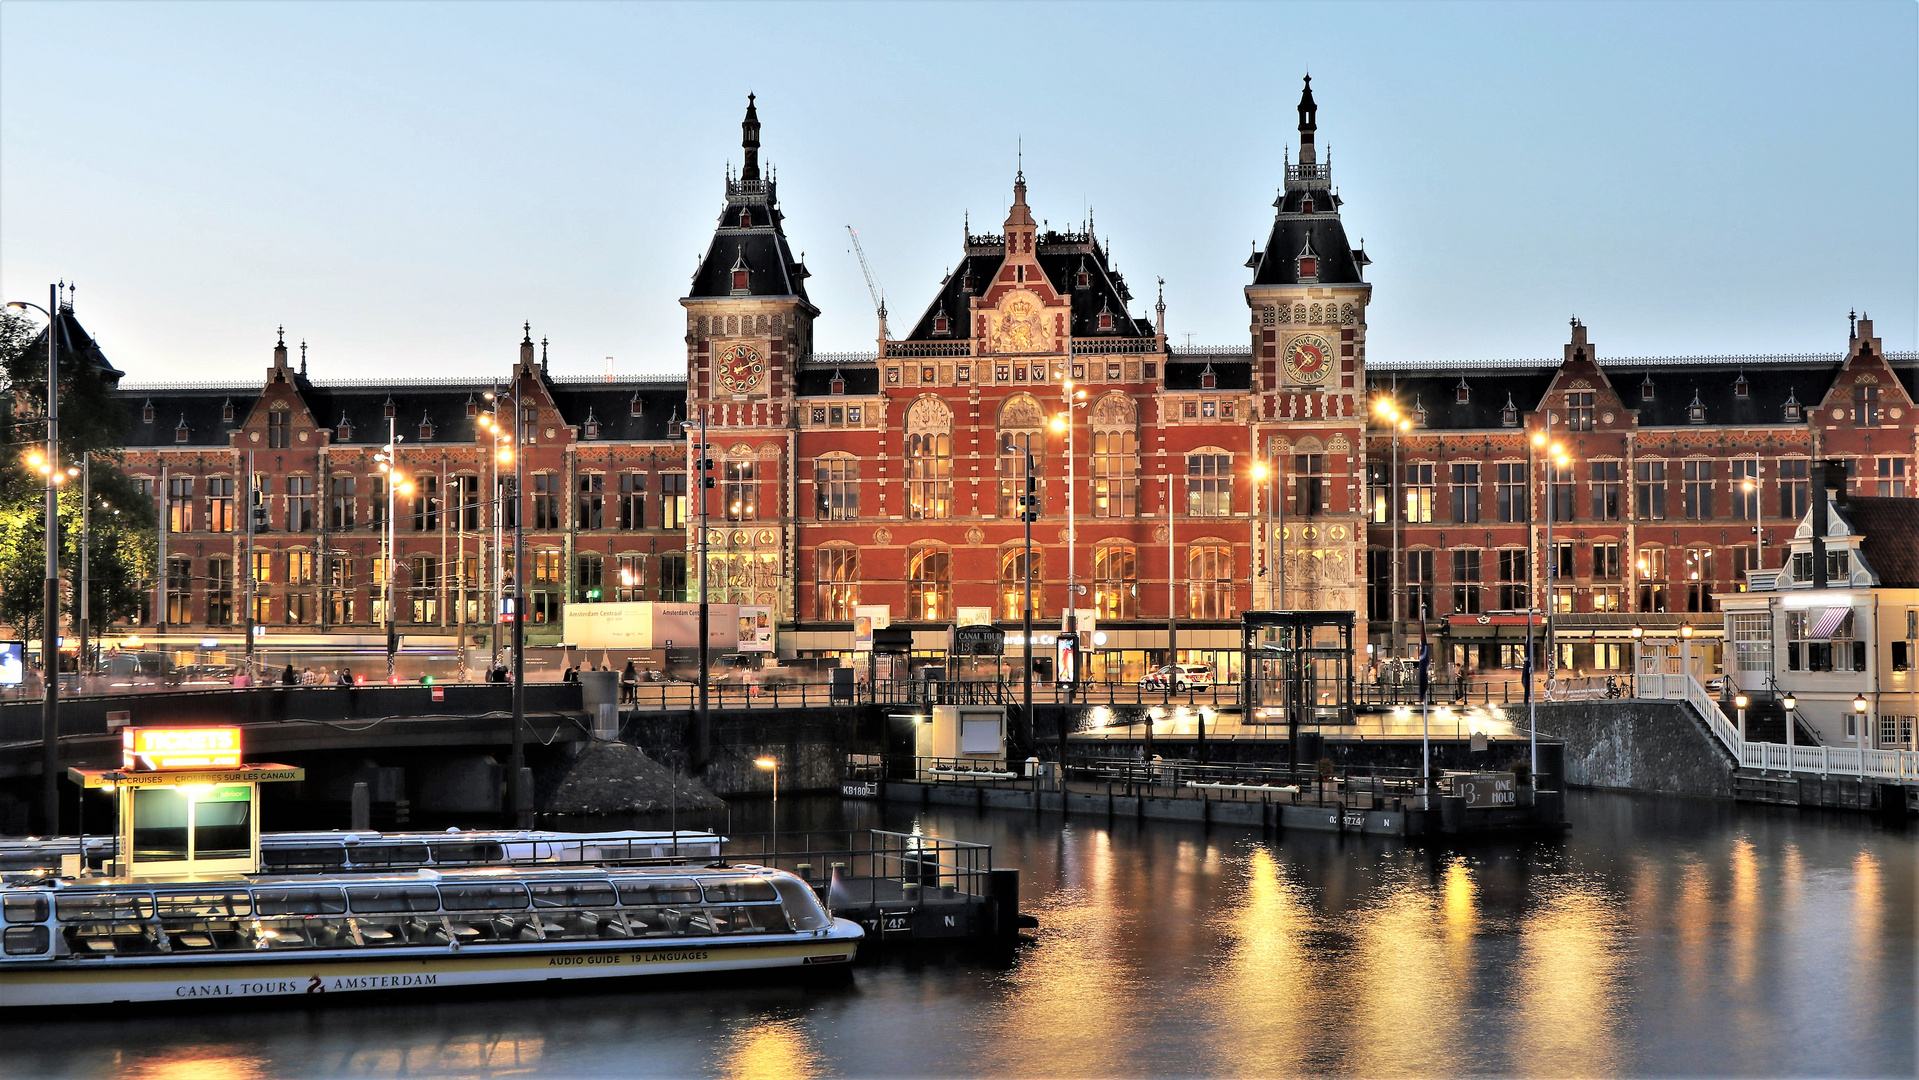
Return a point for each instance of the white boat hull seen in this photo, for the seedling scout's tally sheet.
(327, 974)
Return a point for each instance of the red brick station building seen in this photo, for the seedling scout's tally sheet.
(888, 483)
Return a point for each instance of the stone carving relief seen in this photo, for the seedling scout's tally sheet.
(1019, 326)
(929, 414)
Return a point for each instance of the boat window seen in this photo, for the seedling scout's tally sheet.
(390, 855)
(658, 891)
(204, 905)
(759, 919)
(304, 934)
(299, 902)
(802, 906)
(394, 898)
(27, 940)
(159, 825)
(222, 827)
(573, 894)
(483, 897)
(31, 907)
(468, 853)
(103, 907)
(736, 889)
(303, 858)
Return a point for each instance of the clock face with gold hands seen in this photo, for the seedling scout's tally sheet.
(740, 368)
(1309, 358)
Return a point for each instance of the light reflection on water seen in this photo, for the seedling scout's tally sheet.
(1662, 937)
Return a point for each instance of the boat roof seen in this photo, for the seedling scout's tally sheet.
(477, 875)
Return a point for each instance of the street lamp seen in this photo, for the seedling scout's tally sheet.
(1865, 726)
(1071, 399)
(1790, 703)
(1388, 410)
(773, 763)
(396, 485)
(1739, 702)
(1752, 487)
(50, 617)
(522, 797)
(1638, 635)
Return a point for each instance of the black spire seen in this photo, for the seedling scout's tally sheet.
(1308, 122)
(750, 141)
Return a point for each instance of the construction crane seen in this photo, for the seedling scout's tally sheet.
(879, 305)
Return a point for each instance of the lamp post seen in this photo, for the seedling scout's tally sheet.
(1388, 410)
(1260, 475)
(1028, 512)
(1555, 458)
(1865, 723)
(773, 763)
(502, 452)
(50, 612)
(1069, 622)
(1739, 702)
(389, 460)
(1638, 635)
(1755, 488)
(1790, 703)
(516, 764)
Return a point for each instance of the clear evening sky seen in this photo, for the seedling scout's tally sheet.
(402, 185)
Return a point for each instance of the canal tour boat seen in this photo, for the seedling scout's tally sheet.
(107, 941)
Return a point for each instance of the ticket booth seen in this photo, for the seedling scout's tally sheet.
(186, 803)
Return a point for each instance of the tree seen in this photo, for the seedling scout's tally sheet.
(92, 424)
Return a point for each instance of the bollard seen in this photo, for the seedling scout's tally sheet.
(1003, 886)
(362, 815)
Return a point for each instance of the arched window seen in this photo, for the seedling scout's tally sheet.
(1012, 580)
(1116, 581)
(836, 488)
(1209, 575)
(1209, 483)
(929, 584)
(1021, 426)
(837, 573)
(929, 460)
(1115, 457)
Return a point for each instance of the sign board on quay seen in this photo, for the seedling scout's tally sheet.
(143, 749)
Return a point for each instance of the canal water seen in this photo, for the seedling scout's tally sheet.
(1661, 937)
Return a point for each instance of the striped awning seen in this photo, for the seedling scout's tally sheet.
(1829, 621)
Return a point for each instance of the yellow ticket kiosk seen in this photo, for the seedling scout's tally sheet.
(187, 804)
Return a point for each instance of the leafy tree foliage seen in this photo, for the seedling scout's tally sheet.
(92, 423)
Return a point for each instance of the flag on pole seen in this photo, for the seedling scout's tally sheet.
(1425, 657)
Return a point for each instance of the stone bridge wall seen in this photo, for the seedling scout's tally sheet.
(1660, 747)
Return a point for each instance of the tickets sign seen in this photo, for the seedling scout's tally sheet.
(144, 749)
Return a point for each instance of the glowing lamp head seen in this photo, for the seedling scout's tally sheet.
(1638, 632)
(1059, 423)
(1740, 701)
(1259, 470)
(35, 460)
(766, 763)
(1789, 702)
(1539, 438)
(1859, 704)
(1686, 631)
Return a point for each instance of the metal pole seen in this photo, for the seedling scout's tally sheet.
(1026, 606)
(1276, 504)
(86, 552)
(1172, 607)
(247, 508)
(1532, 616)
(705, 744)
(522, 812)
(50, 616)
(392, 484)
(1552, 557)
(1399, 646)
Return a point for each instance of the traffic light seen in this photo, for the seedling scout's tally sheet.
(259, 510)
(426, 680)
(593, 594)
(1030, 500)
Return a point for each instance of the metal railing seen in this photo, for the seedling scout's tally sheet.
(1899, 765)
(929, 864)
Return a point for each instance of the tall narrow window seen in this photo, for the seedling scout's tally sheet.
(589, 509)
(1745, 488)
(278, 429)
(1419, 492)
(300, 503)
(632, 579)
(1419, 585)
(1310, 485)
(1515, 591)
(1649, 569)
(1466, 591)
(673, 576)
(426, 503)
(929, 584)
(1699, 579)
(837, 573)
(1116, 581)
(673, 501)
(1698, 491)
(219, 590)
(1579, 410)
(1209, 577)
(1649, 500)
(219, 504)
(836, 489)
(1865, 405)
(1379, 492)
(741, 490)
(339, 588)
(546, 501)
(1465, 493)
(179, 506)
(1379, 584)
(1209, 484)
(589, 576)
(1021, 430)
(1013, 572)
(632, 500)
(424, 596)
(466, 501)
(1560, 479)
(1115, 491)
(1510, 493)
(1794, 488)
(1605, 490)
(929, 460)
(179, 605)
(341, 511)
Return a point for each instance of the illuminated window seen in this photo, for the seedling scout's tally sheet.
(1013, 583)
(837, 573)
(929, 584)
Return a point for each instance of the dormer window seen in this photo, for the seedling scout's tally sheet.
(675, 427)
(591, 429)
(1741, 388)
(226, 411)
(181, 433)
(1462, 393)
(739, 281)
(146, 412)
(1509, 416)
(1795, 413)
(1696, 412)
(1645, 388)
(1306, 205)
(392, 409)
(838, 385)
(1105, 318)
(634, 407)
(426, 428)
(1208, 380)
(942, 326)
(1082, 279)
(1419, 413)
(1308, 268)
(746, 218)
(472, 407)
(742, 274)
(345, 430)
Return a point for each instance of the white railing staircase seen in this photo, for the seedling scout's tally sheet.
(1897, 765)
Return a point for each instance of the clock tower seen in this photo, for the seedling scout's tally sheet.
(1307, 301)
(749, 325)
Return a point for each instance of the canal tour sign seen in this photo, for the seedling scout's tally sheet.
(146, 749)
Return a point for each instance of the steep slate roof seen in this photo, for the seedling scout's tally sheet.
(1061, 256)
(1307, 222)
(200, 408)
(73, 343)
(751, 233)
(1889, 526)
(817, 381)
(1186, 374)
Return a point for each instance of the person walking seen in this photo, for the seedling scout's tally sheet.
(630, 683)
